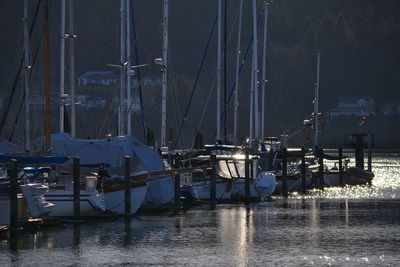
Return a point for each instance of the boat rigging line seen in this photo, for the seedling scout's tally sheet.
(18, 73)
(195, 83)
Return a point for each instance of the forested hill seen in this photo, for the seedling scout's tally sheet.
(358, 40)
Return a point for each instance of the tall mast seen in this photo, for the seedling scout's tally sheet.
(164, 76)
(62, 66)
(26, 76)
(235, 138)
(255, 70)
(225, 69)
(72, 67)
(121, 117)
(128, 71)
(46, 49)
(316, 100)
(218, 137)
(264, 74)
(251, 126)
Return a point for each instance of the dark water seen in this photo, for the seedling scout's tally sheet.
(353, 226)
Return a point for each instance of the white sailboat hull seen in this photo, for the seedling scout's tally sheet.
(115, 201)
(91, 203)
(260, 188)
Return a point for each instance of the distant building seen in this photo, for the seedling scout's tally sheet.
(147, 81)
(353, 106)
(390, 108)
(109, 78)
(81, 99)
(98, 78)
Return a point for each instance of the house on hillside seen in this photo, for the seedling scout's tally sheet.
(98, 78)
(147, 81)
(353, 107)
(390, 108)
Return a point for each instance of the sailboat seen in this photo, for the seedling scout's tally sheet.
(231, 173)
(109, 153)
(230, 165)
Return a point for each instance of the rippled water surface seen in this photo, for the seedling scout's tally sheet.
(352, 226)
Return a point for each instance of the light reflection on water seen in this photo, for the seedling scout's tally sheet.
(352, 226)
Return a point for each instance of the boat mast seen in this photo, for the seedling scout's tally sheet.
(128, 71)
(235, 138)
(26, 76)
(225, 70)
(62, 66)
(72, 67)
(255, 83)
(316, 100)
(251, 130)
(164, 76)
(46, 49)
(218, 137)
(121, 116)
(264, 76)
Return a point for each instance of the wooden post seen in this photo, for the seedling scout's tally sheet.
(321, 168)
(359, 151)
(13, 195)
(247, 176)
(178, 187)
(270, 160)
(284, 172)
(340, 166)
(303, 171)
(77, 189)
(369, 152)
(213, 181)
(127, 187)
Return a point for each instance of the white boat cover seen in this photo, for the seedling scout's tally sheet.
(111, 151)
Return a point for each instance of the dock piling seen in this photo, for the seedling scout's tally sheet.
(247, 176)
(359, 150)
(178, 187)
(303, 171)
(270, 160)
(213, 181)
(370, 138)
(13, 195)
(321, 182)
(76, 188)
(127, 187)
(340, 166)
(284, 172)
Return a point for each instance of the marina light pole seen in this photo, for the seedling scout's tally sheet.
(316, 100)
(264, 74)
(27, 69)
(238, 52)
(62, 66)
(164, 76)
(218, 136)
